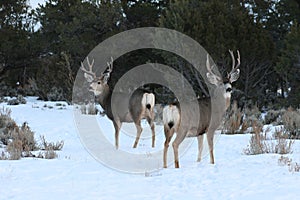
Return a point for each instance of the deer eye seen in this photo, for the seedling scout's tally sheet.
(99, 82)
(228, 89)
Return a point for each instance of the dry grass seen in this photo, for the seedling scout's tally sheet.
(47, 154)
(20, 142)
(89, 109)
(242, 121)
(291, 122)
(51, 145)
(274, 117)
(286, 161)
(260, 144)
(233, 121)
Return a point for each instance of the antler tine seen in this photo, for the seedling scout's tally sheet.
(110, 65)
(233, 60)
(234, 67)
(238, 59)
(209, 68)
(90, 65)
(213, 78)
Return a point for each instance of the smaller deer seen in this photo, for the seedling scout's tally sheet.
(141, 102)
(172, 115)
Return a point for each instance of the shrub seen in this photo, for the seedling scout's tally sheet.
(259, 144)
(286, 161)
(19, 141)
(58, 83)
(50, 154)
(16, 101)
(238, 121)
(51, 145)
(89, 109)
(47, 154)
(252, 119)
(4, 117)
(56, 94)
(272, 117)
(283, 145)
(291, 122)
(2, 99)
(232, 124)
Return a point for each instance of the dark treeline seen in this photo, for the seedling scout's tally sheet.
(41, 49)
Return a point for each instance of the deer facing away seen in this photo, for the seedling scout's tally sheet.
(172, 115)
(141, 103)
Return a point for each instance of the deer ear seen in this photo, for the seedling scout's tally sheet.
(89, 78)
(213, 79)
(234, 76)
(106, 77)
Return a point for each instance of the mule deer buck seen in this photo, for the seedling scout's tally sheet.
(140, 106)
(172, 115)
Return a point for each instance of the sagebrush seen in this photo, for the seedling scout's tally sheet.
(239, 120)
(19, 141)
(286, 161)
(260, 144)
(291, 122)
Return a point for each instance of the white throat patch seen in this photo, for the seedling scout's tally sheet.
(228, 90)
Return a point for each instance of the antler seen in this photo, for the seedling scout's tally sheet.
(234, 67)
(213, 78)
(234, 73)
(209, 68)
(110, 65)
(90, 65)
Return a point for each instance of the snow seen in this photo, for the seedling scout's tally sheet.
(35, 3)
(76, 174)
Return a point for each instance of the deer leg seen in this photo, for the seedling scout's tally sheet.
(151, 123)
(168, 134)
(210, 141)
(117, 125)
(138, 133)
(179, 138)
(200, 147)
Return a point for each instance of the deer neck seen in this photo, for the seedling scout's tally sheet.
(104, 97)
(227, 100)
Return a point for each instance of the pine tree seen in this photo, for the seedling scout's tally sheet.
(16, 24)
(221, 25)
(288, 66)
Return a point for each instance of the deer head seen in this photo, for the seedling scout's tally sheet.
(232, 76)
(97, 84)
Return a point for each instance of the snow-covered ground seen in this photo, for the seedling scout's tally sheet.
(75, 174)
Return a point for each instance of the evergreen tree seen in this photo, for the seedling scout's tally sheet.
(16, 25)
(142, 13)
(72, 28)
(76, 26)
(288, 65)
(219, 26)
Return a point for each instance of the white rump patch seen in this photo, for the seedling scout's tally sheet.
(171, 114)
(148, 98)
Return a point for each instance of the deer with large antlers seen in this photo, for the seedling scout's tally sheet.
(141, 102)
(172, 115)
